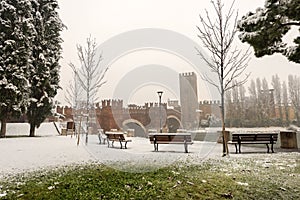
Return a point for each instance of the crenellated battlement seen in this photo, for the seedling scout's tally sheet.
(112, 102)
(146, 106)
(187, 74)
(206, 102)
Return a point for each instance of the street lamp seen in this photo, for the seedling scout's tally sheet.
(159, 95)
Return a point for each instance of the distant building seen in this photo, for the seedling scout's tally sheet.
(188, 99)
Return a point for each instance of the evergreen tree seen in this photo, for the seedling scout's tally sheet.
(265, 28)
(46, 52)
(15, 47)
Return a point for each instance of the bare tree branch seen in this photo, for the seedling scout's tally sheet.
(73, 92)
(90, 74)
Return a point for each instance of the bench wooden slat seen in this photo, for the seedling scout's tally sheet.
(117, 136)
(170, 138)
(163, 142)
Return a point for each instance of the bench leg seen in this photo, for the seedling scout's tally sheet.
(268, 148)
(236, 148)
(272, 148)
(240, 147)
(102, 140)
(126, 145)
(155, 144)
(121, 145)
(111, 143)
(155, 147)
(186, 147)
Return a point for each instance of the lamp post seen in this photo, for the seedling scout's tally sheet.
(159, 95)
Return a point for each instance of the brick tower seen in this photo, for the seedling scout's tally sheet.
(188, 99)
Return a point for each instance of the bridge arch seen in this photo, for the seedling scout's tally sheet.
(139, 128)
(173, 123)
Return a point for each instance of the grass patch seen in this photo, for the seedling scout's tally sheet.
(230, 178)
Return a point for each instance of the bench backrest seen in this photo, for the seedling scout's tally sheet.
(255, 137)
(171, 138)
(115, 136)
(71, 125)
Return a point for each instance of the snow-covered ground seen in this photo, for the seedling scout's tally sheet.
(22, 129)
(28, 154)
(23, 154)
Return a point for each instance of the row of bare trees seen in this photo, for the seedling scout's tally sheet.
(275, 104)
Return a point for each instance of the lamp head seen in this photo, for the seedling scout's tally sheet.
(160, 93)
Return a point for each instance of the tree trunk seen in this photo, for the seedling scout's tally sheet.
(32, 130)
(3, 128)
(224, 137)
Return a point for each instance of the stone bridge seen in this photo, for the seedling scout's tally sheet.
(112, 115)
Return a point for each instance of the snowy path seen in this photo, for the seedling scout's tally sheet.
(50, 150)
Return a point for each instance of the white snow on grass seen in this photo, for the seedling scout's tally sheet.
(29, 154)
(50, 150)
(22, 129)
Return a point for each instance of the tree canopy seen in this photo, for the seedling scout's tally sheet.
(46, 52)
(15, 49)
(29, 54)
(264, 29)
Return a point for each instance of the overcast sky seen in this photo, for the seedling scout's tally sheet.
(105, 19)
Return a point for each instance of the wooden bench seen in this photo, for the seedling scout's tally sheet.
(69, 130)
(116, 136)
(254, 138)
(171, 138)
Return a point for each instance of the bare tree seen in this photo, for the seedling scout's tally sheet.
(90, 74)
(74, 92)
(229, 107)
(236, 102)
(285, 101)
(266, 102)
(294, 91)
(260, 104)
(226, 60)
(253, 114)
(242, 92)
(278, 96)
